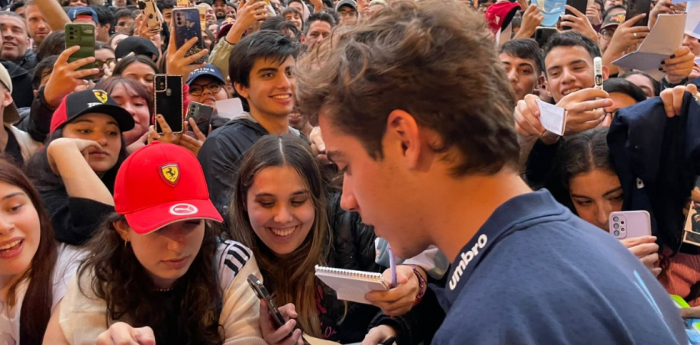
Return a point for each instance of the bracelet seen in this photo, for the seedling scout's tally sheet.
(421, 286)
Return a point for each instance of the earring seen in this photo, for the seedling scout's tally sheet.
(126, 243)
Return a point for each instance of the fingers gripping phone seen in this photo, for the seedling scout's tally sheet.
(630, 224)
(167, 91)
(262, 294)
(202, 114)
(82, 35)
(151, 15)
(187, 26)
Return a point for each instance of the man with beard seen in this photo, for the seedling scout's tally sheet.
(219, 7)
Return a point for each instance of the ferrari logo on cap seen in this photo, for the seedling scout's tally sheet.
(170, 174)
(100, 95)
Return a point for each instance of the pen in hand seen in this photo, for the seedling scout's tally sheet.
(392, 265)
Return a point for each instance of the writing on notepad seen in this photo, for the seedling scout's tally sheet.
(552, 117)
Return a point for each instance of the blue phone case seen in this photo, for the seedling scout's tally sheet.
(187, 25)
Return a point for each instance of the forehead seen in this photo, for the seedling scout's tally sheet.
(320, 25)
(282, 180)
(11, 21)
(32, 10)
(97, 118)
(261, 63)
(512, 59)
(566, 55)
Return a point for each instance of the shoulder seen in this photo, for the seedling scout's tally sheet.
(231, 258)
(67, 262)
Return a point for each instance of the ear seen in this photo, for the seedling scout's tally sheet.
(404, 136)
(606, 72)
(7, 99)
(303, 38)
(241, 90)
(541, 81)
(123, 229)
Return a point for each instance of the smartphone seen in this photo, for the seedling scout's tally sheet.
(635, 7)
(580, 5)
(262, 294)
(598, 72)
(202, 114)
(82, 35)
(629, 224)
(543, 33)
(167, 91)
(187, 25)
(152, 15)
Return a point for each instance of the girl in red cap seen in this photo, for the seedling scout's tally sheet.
(75, 173)
(157, 270)
(31, 264)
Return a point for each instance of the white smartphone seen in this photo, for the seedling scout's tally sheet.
(630, 224)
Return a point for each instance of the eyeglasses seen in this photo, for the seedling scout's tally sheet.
(197, 90)
(99, 63)
(607, 33)
(347, 13)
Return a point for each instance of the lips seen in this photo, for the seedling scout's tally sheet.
(176, 263)
(283, 232)
(98, 154)
(569, 91)
(11, 248)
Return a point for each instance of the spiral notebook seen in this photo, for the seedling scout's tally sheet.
(351, 285)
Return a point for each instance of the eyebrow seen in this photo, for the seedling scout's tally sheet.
(297, 193)
(9, 196)
(604, 194)
(267, 69)
(333, 156)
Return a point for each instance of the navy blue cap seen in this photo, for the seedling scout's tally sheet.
(74, 12)
(209, 70)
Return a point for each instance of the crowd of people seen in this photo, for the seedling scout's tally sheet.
(370, 129)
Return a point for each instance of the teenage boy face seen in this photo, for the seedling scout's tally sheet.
(569, 69)
(376, 189)
(271, 86)
(522, 74)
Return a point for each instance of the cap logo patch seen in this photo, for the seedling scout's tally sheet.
(170, 174)
(183, 210)
(100, 95)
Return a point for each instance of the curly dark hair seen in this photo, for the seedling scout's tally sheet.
(130, 294)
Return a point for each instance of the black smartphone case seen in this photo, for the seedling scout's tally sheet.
(202, 114)
(187, 25)
(636, 7)
(168, 101)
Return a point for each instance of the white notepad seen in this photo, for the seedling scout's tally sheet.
(351, 285)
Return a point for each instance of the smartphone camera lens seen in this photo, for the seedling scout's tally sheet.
(622, 222)
(615, 219)
(623, 229)
(616, 233)
(616, 226)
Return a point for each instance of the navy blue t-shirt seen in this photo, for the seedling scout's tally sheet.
(537, 274)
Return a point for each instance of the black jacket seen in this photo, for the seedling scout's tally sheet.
(354, 248)
(22, 93)
(221, 153)
(38, 123)
(657, 160)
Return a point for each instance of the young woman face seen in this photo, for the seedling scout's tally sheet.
(280, 209)
(104, 130)
(141, 73)
(595, 195)
(20, 232)
(167, 253)
(137, 107)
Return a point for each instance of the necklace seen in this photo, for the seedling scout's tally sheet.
(164, 290)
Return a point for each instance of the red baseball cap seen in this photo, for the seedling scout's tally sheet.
(161, 184)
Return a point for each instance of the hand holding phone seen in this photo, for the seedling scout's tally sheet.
(635, 7)
(187, 25)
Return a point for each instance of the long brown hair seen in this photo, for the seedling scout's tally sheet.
(130, 294)
(133, 88)
(36, 310)
(290, 279)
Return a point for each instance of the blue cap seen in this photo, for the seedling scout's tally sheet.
(74, 12)
(209, 70)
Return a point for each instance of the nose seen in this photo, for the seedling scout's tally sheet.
(283, 215)
(347, 199)
(176, 236)
(100, 138)
(513, 76)
(604, 209)
(567, 76)
(284, 82)
(6, 225)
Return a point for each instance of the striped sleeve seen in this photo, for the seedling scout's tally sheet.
(231, 256)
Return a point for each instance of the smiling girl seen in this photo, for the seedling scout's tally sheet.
(30, 263)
